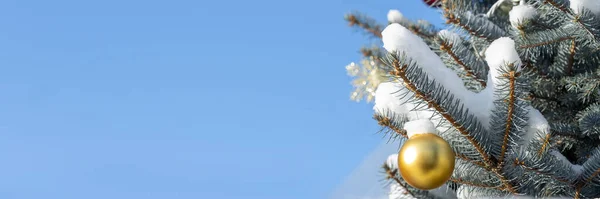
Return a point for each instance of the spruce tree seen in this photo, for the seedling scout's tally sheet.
(511, 85)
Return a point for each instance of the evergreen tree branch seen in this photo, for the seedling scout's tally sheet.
(564, 143)
(371, 26)
(545, 145)
(539, 45)
(560, 64)
(589, 121)
(589, 184)
(591, 168)
(461, 181)
(401, 72)
(475, 175)
(565, 129)
(538, 171)
(571, 58)
(510, 109)
(467, 21)
(584, 85)
(507, 185)
(509, 115)
(374, 52)
(545, 43)
(467, 191)
(426, 35)
(587, 22)
(535, 96)
(450, 49)
(481, 7)
(465, 158)
(393, 174)
(409, 73)
(392, 124)
(530, 179)
(561, 5)
(536, 23)
(364, 22)
(464, 14)
(544, 88)
(530, 170)
(395, 125)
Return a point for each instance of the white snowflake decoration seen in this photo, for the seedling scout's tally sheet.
(367, 77)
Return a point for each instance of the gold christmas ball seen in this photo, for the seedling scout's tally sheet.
(426, 161)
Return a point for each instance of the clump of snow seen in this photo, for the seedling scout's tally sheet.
(500, 52)
(420, 126)
(577, 169)
(537, 122)
(463, 192)
(443, 192)
(395, 98)
(398, 39)
(389, 97)
(521, 13)
(452, 37)
(394, 16)
(592, 5)
(484, 102)
(392, 161)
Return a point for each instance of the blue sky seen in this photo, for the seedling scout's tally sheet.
(181, 99)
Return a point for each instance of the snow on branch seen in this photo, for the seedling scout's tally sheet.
(398, 39)
(420, 126)
(458, 56)
(500, 52)
(475, 25)
(394, 16)
(425, 76)
(520, 14)
(419, 27)
(509, 89)
(590, 175)
(579, 5)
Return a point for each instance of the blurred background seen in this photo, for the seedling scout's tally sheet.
(187, 99)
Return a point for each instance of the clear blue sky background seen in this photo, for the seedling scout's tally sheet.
(181, 99)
